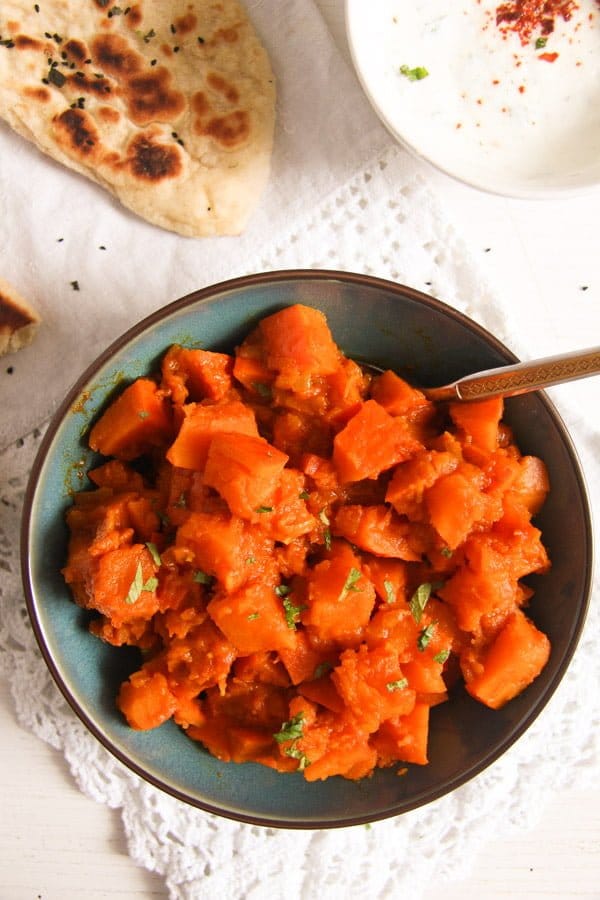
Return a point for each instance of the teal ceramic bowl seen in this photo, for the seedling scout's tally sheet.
(371, 319)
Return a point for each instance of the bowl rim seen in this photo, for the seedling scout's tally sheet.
(203, 295)
(516, 193)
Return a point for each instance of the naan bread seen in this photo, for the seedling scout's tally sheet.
(18, 320)
(169, 105)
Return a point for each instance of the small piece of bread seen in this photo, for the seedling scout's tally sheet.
(18, 321)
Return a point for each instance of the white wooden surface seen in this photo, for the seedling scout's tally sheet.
(55, 844)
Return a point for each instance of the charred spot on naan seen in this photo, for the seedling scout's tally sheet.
(222, 86)
(76, 50)
(41, 94)
(186, 23)
(76, 133)
(150, 98)
(225, 35)
(229, 130)
(115, 55)
(108, 114)
(153, 162)
(25, 42)
(200, 104)
(134, 19)
(98, 86)
(148, 93)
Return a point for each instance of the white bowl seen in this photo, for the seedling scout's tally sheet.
(491, 112)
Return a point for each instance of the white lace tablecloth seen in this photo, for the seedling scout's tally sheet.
(352, 201)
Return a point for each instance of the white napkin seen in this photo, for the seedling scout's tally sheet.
(53, 223)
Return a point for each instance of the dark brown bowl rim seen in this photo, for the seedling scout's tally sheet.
(205, 294)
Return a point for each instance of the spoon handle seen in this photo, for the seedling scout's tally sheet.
(508, 381)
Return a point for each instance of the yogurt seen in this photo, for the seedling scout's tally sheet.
(518, 120)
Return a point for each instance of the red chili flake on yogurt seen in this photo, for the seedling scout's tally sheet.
(526, 17)
(548, 57)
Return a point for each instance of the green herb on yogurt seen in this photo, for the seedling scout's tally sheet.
(416, 74)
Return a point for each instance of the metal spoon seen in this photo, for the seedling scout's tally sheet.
(520, 378)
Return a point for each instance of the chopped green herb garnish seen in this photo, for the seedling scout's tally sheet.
(282, 590)
(327, 538)
(446, 551)
(138, 585)
(321, 669)
(442, 656)
(390, 593)
(397, 685)
(416, 74)
(153, 550)
(291, 730)
(541, 43)
(263, 389)
(425, 636)
(250, 560)
(201, 577)
(419, 599)
(253, 616)
(296, 753)
(353, 576)
(181, 501)
(75, 285)
(292, 613)
(263, 509)
(304, 495)
(143, 414)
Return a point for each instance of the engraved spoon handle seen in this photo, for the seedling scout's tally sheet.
(508, 381)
